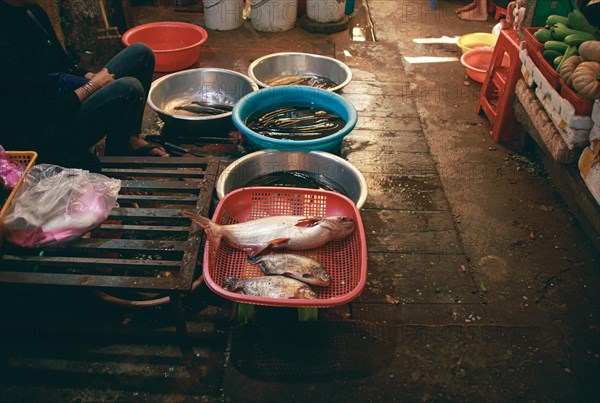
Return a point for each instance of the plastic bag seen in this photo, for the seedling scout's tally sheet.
(10, 172)
(55, 205)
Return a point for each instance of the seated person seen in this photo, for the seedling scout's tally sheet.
(478, 10)
(50, 105)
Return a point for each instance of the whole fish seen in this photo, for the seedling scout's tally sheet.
(214, 104)
(271, 287)
(299, 267)
(296, 123)
(200, 110)
(309, 80)
(277, 232)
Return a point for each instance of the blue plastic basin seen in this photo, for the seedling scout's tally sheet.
(289, 96)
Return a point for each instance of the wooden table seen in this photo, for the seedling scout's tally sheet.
(144, 245)
(567, 179)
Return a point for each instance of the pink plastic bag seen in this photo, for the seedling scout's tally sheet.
(55, 205)
(10, 172)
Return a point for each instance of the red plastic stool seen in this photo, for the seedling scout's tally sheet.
(498, 91)
(499, 12)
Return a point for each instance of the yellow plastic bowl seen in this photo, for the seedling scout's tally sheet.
(476, 40)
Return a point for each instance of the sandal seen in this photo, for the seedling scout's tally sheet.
(147, 150)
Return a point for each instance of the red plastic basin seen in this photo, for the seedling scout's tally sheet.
(477, 63)
(176, 45)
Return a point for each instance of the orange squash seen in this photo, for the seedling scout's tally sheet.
(590, 51)
(586, 80)
(568, 68)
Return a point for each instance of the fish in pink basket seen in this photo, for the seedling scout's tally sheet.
(278, 232)
(301, 268)
(271, 287)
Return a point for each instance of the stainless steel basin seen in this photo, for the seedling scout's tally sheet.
(333, 168)
(283, 64)
(207, 85)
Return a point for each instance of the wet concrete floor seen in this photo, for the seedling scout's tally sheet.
(480, 284)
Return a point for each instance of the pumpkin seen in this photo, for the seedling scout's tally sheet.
(567, 69)
(586, 80)
(590, 51)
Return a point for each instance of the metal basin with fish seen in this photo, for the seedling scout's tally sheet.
(315, 169)
(199, 102)
(290, 68)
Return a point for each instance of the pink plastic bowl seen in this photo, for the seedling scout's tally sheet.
(477, 62)
(176, 45)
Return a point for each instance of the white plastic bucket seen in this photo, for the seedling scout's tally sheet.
(273, 15)
(325, 10)
(223, 15)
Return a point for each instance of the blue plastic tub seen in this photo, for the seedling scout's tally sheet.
(287, 96)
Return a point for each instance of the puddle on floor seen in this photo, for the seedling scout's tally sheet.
(361, 27)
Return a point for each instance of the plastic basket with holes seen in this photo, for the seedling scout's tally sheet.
(27, 158)
(345, 260)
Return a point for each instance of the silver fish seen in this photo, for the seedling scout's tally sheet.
(200, 110)
(309, 80)
(299, 267)
(214, 104)
(277, 232)
(271, 287)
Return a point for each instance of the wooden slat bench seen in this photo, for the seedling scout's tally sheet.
(144, 245)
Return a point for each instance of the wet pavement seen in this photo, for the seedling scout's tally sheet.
(462, 302)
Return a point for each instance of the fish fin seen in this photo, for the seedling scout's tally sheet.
(278, 242)
(252, 251)
(308, 222)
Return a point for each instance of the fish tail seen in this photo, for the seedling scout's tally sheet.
(198, 219)
(231, 284)
(257, 260)
(210, 227)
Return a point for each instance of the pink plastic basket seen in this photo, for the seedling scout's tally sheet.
(345, 260)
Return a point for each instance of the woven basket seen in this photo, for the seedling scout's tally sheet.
(28, 159)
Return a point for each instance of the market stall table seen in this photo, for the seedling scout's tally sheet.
(566, 177)
(144, 245)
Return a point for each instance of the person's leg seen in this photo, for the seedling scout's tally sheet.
(110, 112)
(468, 7)
(137, 61)
(480, 13)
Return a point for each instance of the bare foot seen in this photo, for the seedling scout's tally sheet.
(468, 7)
(139, 145)
(473, 15)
